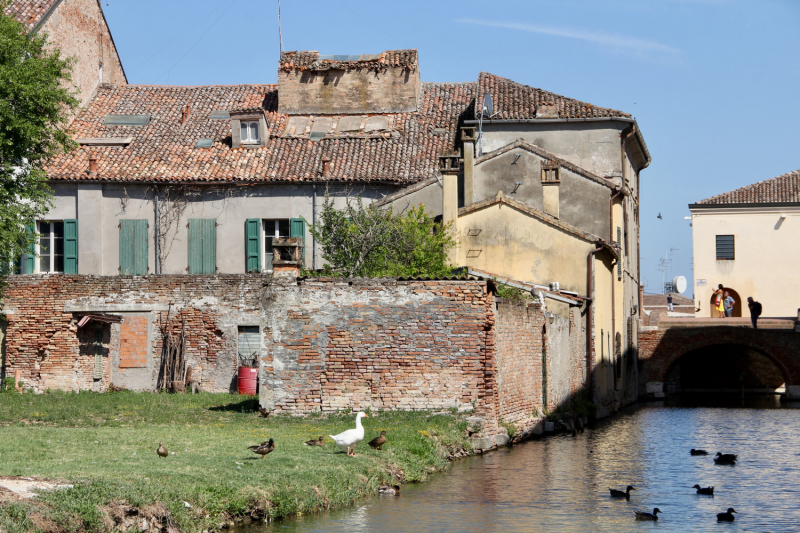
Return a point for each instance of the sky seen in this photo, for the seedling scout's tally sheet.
(713, 84)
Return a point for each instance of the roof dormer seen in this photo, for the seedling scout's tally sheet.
(249, 128)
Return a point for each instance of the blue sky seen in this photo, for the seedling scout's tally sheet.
(714, 84)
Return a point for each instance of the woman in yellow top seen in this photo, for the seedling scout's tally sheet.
(718, 302)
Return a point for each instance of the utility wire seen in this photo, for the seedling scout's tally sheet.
(198, 40)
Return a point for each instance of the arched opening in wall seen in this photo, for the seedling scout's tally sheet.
(725, 368)
(737, 306)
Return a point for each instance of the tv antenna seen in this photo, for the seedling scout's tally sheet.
(280, 35)
(487, 106)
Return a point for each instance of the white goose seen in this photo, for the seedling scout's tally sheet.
(348, 439)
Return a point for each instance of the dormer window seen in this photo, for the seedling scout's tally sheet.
(248, 128)
(250, 132)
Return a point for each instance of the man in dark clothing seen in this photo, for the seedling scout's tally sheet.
(755, 311)
(669, 302)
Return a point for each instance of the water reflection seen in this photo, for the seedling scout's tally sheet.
(561, 483)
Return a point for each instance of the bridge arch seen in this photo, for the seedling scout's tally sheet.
(722, 339)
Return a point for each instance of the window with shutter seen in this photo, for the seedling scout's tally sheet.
(253, 245)
(133, 247)
(71, 246)
(29, 259)
(279, 229)
(725, 247)
(202, 246)
(298, 229)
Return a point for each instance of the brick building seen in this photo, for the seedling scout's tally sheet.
(79, 29)
(210, 180)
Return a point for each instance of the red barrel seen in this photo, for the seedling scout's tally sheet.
(248, 379)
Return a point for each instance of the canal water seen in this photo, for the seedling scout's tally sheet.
(561, 483)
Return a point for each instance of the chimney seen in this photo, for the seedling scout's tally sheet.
(449, 166)
(468, 138)
(185, 113)
(326, 167)
(92, 165)
(314, 84)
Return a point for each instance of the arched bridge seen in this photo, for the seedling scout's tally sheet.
(720, 355)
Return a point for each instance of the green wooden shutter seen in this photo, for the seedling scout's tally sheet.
(71, 246)
(298, 229)
(30, 256)
(209, 246)
(133, 247)
(253, 245)
(202, 246)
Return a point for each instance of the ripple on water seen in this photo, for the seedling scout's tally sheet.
(561, 483)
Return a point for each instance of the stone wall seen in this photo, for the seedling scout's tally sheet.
(325, 344)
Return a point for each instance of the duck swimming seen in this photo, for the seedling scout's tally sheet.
(621, 494)
(725, 458)
(698, 452)
(709, 491)
(727, 516)
(641, 515)
(347, 440)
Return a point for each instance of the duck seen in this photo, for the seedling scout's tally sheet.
(348, 439)
(264, 413)
(161, 451)
(315, 442)
(378, 441)
(725, 458)
(621, 494)
(641, 515)
(727, 516)
(264, 448)
(698, 452)
(708, 490)
(389, 489)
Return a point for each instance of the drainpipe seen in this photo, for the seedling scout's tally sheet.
(590, 322)
(613, 353)
(314, 223)
(155, 247)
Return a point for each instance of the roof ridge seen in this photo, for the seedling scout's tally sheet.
(760, 191)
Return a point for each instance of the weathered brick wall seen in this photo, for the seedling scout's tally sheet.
(334, 92)
(133, 352)
(382, 344)
(539, 365)
(78, 29)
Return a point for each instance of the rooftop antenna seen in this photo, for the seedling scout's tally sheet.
(280, 35)
(487, 106)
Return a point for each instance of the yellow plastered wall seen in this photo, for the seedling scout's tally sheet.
(765, 264)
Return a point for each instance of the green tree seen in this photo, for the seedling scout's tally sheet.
(35, 106)
(366, 241)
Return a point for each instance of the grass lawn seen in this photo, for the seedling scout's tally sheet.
(104, 444)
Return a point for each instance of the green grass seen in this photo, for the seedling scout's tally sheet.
(105, 445)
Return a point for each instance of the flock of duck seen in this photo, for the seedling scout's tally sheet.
(720, 459)
(346, 440)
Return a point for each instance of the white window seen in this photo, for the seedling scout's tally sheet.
(250, 132)
(51, 247)
(272, 229)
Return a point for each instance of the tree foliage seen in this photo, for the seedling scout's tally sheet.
(35, 106)
(368, 241)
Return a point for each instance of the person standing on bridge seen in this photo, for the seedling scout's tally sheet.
(718, 305)
(755, 311)
(729, 303)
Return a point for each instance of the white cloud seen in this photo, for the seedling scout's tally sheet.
(609, 39)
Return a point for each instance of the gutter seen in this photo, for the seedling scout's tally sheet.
(528, 287)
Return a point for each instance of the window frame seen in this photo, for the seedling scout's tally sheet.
(246, 124)
(267, 250)
(51, 247)
(718, 242)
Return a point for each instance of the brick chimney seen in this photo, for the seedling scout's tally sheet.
(326, 167)
(313, 84)
(92, 165)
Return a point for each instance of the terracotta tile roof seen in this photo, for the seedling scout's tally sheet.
(514, 101)
(313, 61)
(28, 12)
(164, 149)
(781, 189)
(660, 300)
